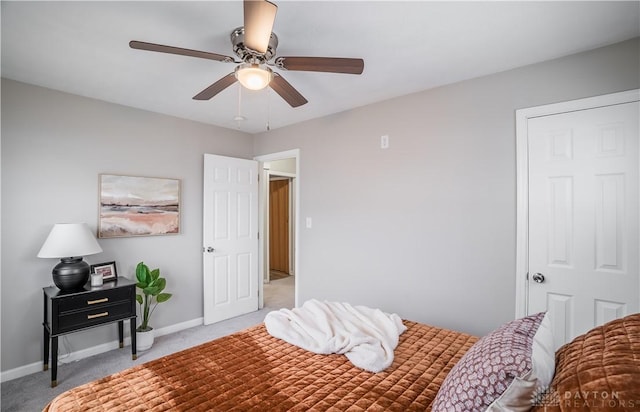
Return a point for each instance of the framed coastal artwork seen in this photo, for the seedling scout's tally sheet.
(138, 206)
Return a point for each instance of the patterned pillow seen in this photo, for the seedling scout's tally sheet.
(503, 371)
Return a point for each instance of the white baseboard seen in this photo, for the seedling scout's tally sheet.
(179, 326)
(35, 367)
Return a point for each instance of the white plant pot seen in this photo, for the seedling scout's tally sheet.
(144, 340)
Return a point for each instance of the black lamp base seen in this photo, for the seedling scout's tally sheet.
(71, 274)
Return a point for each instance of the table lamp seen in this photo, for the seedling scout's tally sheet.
(69, 242)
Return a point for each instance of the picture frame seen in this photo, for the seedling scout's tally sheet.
(138, 206)
(107, 269)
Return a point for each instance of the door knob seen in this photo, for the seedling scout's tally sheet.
(538, 278)
(208, 249)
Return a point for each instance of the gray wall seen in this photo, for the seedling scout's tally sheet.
(54, 145)
(427, 228)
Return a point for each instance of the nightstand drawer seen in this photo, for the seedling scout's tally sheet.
(93, 316)
(95, 300)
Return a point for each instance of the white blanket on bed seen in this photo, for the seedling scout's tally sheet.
(367, 337)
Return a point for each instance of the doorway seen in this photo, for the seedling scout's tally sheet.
(279, 228)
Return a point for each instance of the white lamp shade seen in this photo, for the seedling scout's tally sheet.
(68, 240)
(253, 76)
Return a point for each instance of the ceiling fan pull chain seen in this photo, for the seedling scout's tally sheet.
(239, 117)
(268, 109)
(239, 101)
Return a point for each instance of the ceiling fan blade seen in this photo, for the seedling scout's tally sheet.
(259, 16)
(216, 87)
(321, 64)
(140, 45)
(286, 91)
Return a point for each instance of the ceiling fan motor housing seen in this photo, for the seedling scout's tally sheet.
(248, 55)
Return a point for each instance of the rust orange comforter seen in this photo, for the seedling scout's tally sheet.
(251, 370)
(598, 371)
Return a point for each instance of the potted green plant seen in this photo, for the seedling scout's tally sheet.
(151, 285)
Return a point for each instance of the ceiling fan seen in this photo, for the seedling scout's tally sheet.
(255, 45)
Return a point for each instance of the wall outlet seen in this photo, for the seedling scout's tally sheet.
(309, 223)
(384, 141)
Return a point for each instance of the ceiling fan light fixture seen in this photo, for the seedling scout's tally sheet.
(254, 76)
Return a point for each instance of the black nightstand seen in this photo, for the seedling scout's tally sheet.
(67, 312)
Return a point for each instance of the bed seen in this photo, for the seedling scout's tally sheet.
(251, 370)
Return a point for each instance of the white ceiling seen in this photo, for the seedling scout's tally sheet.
(82, 48)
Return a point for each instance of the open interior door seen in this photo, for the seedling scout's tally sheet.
(230, 238)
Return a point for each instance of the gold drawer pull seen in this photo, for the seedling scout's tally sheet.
(93, 302)
(98, 315)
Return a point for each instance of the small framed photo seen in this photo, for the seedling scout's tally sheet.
(107, 270)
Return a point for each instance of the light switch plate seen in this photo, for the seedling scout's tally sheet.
(384, 141)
